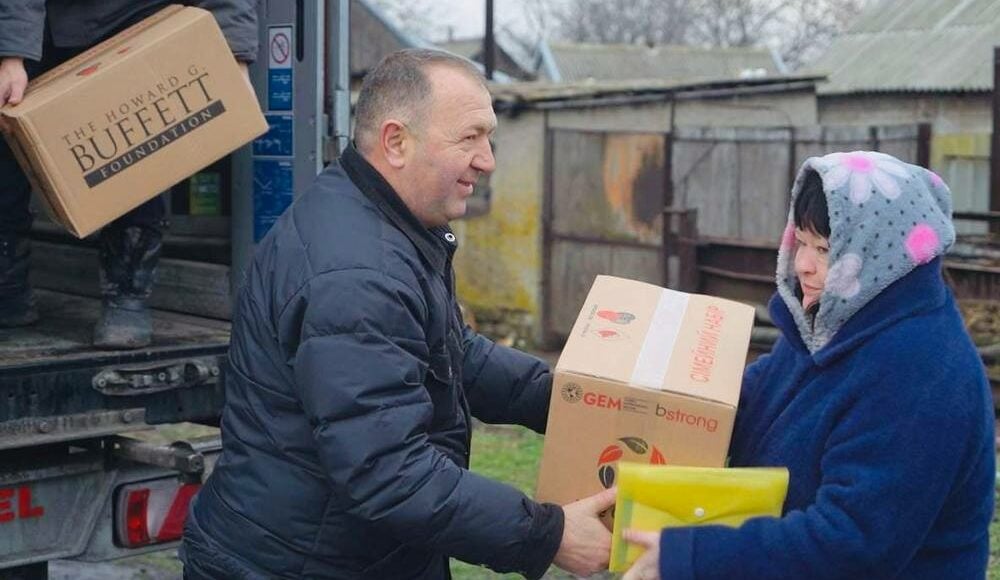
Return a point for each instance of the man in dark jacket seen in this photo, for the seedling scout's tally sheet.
(35, 36)
(346, 429)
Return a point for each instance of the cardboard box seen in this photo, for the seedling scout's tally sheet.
(122, 122)
(647, 375)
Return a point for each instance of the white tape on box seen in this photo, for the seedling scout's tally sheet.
(654, 357)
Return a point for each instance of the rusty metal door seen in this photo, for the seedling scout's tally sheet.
(603, 214)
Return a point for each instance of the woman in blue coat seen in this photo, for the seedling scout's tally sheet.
(874, 397)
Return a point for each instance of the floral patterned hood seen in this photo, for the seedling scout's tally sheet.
(886, 218)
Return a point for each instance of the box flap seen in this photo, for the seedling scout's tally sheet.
(101, 56)
(654, 338)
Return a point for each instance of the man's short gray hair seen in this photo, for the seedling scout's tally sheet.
(398, 87)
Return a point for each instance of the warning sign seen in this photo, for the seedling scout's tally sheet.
(279, 68)
(279, 47)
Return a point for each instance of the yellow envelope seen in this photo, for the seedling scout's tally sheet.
(653, 497)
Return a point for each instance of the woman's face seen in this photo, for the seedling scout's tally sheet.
(811, 250)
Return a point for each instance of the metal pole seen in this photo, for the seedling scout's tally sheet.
(489, 43)
(338, 72)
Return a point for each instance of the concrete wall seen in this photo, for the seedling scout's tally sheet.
(766, 110)
(645, 117)
(498, 264)
(968, 113)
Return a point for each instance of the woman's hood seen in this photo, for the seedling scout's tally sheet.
(886, 218)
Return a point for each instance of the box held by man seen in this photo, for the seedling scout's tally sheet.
(122, 122)
(648, 375)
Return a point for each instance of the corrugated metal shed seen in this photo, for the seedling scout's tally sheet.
(580, 62)
(507, 58)
(915, 46)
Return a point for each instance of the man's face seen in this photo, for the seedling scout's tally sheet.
(451, 148)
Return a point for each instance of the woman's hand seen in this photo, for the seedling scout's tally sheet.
(647, 567)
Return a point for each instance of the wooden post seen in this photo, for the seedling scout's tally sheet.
(995, 141)
(793, 167)
(688, 250)
(668, 202)
(547, 337)
(924, 145)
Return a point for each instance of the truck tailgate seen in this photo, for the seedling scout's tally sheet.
(55, 386)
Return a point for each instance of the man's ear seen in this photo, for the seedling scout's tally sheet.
(395, 140)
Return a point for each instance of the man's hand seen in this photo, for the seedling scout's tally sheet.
(647, 567)
(586, 543)
(13, 80)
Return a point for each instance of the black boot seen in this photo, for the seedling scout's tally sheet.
(17, 304)
(128, 266)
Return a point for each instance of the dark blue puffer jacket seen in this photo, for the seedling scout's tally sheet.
(347, 422)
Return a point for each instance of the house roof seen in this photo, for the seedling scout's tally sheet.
(514, 97)
(914, 46)
(579, 62)
(467, 47)
(510, 56)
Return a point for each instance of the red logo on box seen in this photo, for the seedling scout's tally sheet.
(616, 317)
(633, 446)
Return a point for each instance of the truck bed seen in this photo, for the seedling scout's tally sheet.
(63, 334)
(55, 386)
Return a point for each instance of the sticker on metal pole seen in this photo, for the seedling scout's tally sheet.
(272, 193)
(279, 140)
(279, 68)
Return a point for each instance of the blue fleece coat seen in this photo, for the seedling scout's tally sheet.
(887, 432)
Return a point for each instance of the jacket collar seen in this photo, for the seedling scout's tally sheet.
(921, 290)
(435, 245)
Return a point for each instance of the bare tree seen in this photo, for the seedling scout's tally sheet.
(623, 21)
(815, 25)
(420, 18)
(735, 22)
(536, 23)
(798, 29)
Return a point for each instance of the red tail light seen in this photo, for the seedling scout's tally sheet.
(152, 512)
(136, 517)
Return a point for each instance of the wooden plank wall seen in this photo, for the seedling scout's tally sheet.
(607, 191)
(963, 161)
(739, 179)
(607, 216)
